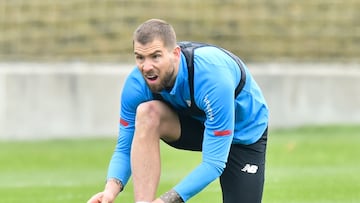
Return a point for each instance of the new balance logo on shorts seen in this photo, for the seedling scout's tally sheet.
(248, 168)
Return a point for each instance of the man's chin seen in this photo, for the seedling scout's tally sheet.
(155, 89)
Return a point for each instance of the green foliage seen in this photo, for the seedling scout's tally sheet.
(311, 164)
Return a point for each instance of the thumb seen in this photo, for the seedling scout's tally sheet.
(106, 200)
(96, 198)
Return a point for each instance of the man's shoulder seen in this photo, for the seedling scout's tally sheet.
(135, 83)
(135, 77)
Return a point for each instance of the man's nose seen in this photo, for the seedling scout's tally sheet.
(147, 65)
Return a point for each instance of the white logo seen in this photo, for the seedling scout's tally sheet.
(208, 109)
(250, 168)
(188, 102)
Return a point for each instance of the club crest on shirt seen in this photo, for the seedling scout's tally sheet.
(188, 102)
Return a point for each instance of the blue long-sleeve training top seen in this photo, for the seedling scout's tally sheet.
(227, 120)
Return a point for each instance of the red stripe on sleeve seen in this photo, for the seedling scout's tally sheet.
(222, 133)
(123, 122)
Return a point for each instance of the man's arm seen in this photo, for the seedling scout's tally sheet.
(214, 94)
(132, 95)
(113, 187)
(119, 167)
(171, 197)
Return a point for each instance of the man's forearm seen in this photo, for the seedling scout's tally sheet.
(171, 197)
(114, 186)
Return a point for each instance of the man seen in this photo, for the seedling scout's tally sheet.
(158, 103)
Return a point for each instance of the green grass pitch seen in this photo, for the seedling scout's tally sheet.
(304, 165)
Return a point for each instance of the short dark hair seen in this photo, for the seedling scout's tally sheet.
(155, 29)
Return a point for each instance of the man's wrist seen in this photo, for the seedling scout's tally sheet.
(171, 197)
(114, 185)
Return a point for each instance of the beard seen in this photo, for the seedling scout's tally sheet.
(166, 82)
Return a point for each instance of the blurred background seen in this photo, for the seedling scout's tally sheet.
(92, 30)
(62, 63)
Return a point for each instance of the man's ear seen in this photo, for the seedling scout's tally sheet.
(177, 52)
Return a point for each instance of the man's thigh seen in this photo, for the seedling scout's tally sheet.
(192, 134)
(243, 178)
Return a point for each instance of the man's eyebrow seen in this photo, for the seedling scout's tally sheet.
(153, 53)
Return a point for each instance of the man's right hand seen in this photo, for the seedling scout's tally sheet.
(102, 197)
(112, 189)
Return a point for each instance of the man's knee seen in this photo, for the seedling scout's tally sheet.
(148, 114)
(155, 117)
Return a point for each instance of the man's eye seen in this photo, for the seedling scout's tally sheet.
(156, 56)
(139, 58)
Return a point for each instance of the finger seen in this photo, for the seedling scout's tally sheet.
(105, 201)
(96, 198)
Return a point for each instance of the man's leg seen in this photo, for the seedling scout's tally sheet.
(243, 178)
(154, 121)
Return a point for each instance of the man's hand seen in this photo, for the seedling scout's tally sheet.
(102, 197)
(112, 189)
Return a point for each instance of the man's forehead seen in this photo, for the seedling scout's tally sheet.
(148, 48)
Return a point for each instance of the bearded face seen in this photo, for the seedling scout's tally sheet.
(157, 64)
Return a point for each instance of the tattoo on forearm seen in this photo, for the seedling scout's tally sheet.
(171, 197)
(117, 182)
